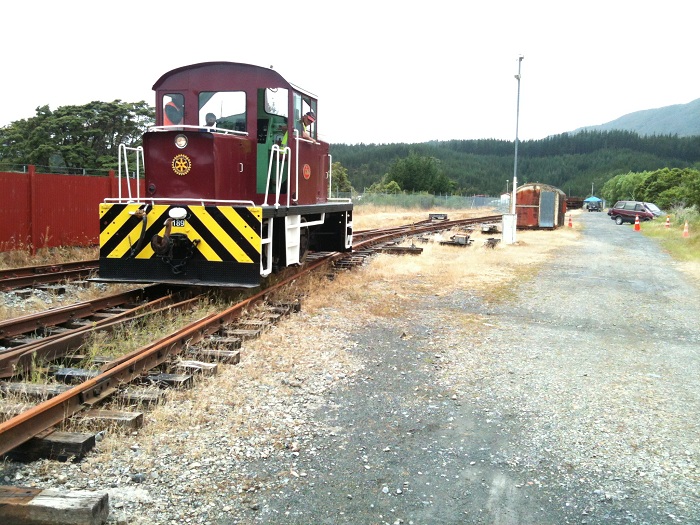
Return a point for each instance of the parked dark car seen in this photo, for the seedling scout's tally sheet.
(595, 206)
(627, 211)
(653, 208)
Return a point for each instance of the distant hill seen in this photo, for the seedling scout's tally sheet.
(680, 119)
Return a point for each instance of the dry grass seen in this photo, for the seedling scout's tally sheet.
(387, 285)
(367, 217)
(21, 257)
(300, 352)
(685, 250)
(274, 365)
(133, 335)
(691, 269)
(491, 273)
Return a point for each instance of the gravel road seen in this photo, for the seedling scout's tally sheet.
(576, 401)
(572, 399)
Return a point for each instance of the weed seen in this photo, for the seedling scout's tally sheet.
(685, 249)
(18, 255)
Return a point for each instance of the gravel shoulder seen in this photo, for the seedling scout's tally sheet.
(566, 395)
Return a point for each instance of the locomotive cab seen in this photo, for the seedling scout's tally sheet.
(232, 188)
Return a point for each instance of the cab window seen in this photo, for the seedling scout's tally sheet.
(228, 108)
(173, 109)
(276, 101)
(276, 105)
(302, 105)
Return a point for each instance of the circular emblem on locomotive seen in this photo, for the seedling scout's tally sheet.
(181, 164)
(307, 171)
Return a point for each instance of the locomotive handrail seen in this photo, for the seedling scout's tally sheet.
(177, 201)
(190, 127)
(123, 151)
(329, 174)
(296, 168)
(275, 158)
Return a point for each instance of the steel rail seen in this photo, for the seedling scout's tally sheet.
(415, 229)
(29, 276)
(64, 314)
(20, 359)
(47, 268)
(26, 425)
(39, 418)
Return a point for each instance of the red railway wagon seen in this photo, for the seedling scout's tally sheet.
(540, 206)
(237, 183)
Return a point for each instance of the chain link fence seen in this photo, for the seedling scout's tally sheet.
(426, 201)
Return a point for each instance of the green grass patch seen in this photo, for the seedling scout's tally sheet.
(672, 240)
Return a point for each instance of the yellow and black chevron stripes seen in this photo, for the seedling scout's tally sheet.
(220, 233)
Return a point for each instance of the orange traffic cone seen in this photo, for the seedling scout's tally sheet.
(685, 230)
(668, 221)
(570, 225)
(636, 223)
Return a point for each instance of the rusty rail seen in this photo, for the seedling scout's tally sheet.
(23, 427)
(19, 359)
(28, 276)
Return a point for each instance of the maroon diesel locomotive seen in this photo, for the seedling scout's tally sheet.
(237, 183)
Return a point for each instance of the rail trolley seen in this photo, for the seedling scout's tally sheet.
(236, 182)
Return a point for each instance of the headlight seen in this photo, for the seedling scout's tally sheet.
(177, 213)
(181, 141)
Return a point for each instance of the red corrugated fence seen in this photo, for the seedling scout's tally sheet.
(47, 210)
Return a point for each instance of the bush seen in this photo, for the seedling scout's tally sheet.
(425, 201)
(681, 215)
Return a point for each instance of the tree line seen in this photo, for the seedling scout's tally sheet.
(574, 163)
(667, 188)
(75, 139)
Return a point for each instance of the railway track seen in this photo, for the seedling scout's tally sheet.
(31, 276)
(60, 332)
(54, 333)
(366, 238)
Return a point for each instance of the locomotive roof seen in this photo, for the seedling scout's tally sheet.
(222, 76)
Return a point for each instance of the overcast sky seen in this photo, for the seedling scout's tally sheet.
(384, 71)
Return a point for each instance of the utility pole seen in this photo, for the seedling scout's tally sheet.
(517, 119)
(510, 221)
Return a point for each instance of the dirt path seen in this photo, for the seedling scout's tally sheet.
(571, 401)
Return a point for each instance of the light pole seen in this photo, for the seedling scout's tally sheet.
(517, 118)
